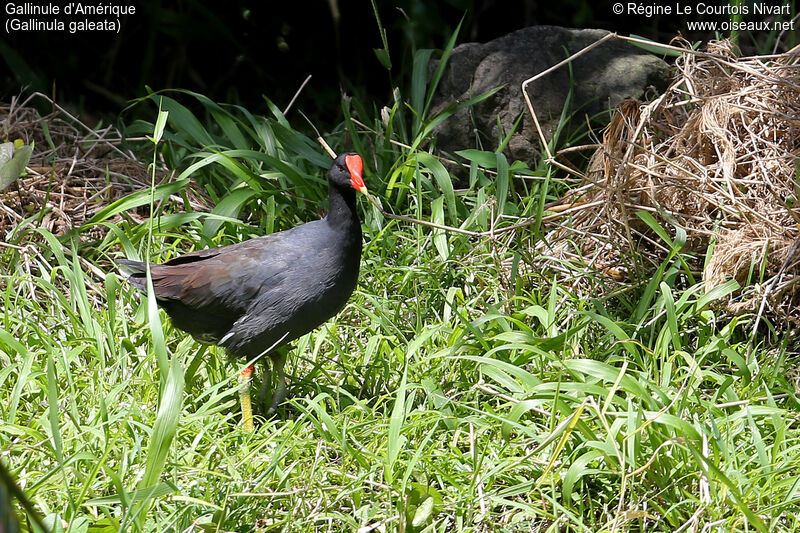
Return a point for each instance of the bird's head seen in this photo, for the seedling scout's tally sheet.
(348, 171)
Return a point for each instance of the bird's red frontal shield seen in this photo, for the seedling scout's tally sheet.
(356, 167)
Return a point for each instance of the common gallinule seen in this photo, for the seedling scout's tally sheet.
(255, 296)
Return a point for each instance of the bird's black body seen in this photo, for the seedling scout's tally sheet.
(262, 293)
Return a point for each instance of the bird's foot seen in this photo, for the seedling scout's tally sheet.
(278, 397)
(280, 387)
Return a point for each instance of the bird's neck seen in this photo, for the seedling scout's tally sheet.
(342, 209)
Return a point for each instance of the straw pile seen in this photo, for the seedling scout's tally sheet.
(717, 155)
(74, 172)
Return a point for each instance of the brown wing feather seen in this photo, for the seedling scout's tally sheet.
(209, 280)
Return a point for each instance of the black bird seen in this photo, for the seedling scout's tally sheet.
(255, 296)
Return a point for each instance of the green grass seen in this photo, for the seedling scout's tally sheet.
(457, 391)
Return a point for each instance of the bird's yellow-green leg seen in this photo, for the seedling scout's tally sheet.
(265, 394)
(245, 379)
(273, 394)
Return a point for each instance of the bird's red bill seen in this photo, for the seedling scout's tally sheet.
(356, 167)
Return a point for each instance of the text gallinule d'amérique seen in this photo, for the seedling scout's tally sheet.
(255, 296)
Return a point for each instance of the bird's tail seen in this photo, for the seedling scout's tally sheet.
(135, 271)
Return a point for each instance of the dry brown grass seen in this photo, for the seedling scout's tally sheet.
(718, 154)
(74, 171)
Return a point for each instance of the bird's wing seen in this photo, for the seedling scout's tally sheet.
(224, 281)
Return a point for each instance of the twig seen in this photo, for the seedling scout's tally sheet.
(291, 102)
(492, 233)
(320, 140)
(692, 520)
(74, 119)
(446, 159)
(674, 440)
(546, 72)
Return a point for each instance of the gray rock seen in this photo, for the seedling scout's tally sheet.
(601, 78)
